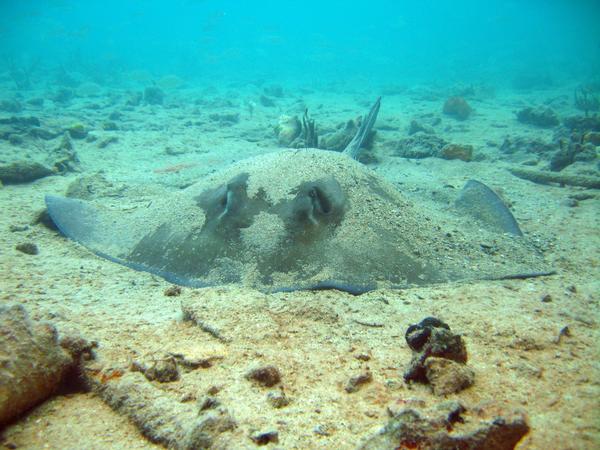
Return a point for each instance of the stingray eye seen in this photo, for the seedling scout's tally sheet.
(319, 200)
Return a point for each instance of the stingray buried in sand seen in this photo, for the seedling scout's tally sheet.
(299, 219)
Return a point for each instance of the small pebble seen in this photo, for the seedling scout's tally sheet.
(17, 228)
(28, 247)
(278, 399)
(355, 383)
(546, 298)
(265, 438)
(266, 376)
(172, 291)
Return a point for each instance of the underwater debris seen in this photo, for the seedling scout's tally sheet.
(450, 425)
(266, 376)
(458, 108)
(153, 96)
(542, 116)
(33, 362)
(439, 357)
(586, 100)
(28, 248)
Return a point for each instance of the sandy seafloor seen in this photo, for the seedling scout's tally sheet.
(312, 337)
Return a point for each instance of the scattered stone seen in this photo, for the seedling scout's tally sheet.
(77, 131)
(110, 126)
(163, 369)
(516, 144)
(419, 145)
(103, 143)
(433, 338)
(547, 298)
(135, 99)
(287, 130)
(266, 101)
(18, 228)
(541, 117)
(43, 133)
(23, 172)
(225, 119)
(11, 106)
(457, 151)
(207, 402)
(265, 438)
(172, 291)
(65, 158)
(274, 91)
(278, 399)
(267, 376)
(21, 122)
(357, 381)
(458, 108)
(446, 376)
(153, 96)
(450, 425)
(28, 248)
(33, 362)
(416, 127)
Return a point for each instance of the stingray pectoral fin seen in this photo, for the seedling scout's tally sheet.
(101, 230)
(483, 204)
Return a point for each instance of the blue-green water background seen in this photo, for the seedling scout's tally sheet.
(376, 41)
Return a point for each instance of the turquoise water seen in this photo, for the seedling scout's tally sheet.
(378, 41)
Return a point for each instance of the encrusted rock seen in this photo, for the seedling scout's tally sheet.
(450, 425)
(278, 399)
(265, 376)
(357, 381)
(23, 172)
(457, 151)
(28, 248)
(264, 438)
(458, 108)
(32, 362)
(432, 338)
(163, 369)
(542, 117)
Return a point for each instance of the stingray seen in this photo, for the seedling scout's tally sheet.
(304, 219)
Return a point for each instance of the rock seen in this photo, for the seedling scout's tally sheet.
(77, 131)
(274, 91)
(153, 96)
(23, 172)
(446, 376)
(458, 108)
(278, 399)
(432, 338)
(110, 126)
(450, 425)
(457, 151)
(65, 158)
(88, 187)
(266, 101)
(163, 369)
(135, 99)
(62, 96)
(592, 137)
(416, 127)
(43, 133)
(36, 101)
(265, 438)
(11, 106)
(172, 291)
(581, 124)
(267, 376)
(21, 123)
(28, 248)
(103, 143)
(419, 145)
(512, 145)
(339, 139)
(356, 382)
(542, 117)
(225, 119)
(287, 130)
(33, 362)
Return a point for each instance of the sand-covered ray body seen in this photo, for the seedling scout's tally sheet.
(295, 219)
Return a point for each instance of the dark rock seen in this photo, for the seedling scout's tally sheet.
(27, 247)
(12, 106)
(225, 119)
(43, 133)
(115, 115)
(265, 438)
(433, 338)
(416, 127)
(420, 145)
(23, 172)
(457, 151)
(207, 402)
(172, 291)
(163, 369)
(77, 131)
(450, 425)
(458, 108)
(18, 228)
(65, 157)
(278, 399)
(274, 91)
(33, 362)
(339, 139)
(153, 96)
(110, 126)
(446, 376)
(541, 117)
(592, 137)
(357, 381)
(266, 101)
(265, 376)
(103, 143)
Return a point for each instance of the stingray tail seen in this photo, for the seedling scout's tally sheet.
(353, 148)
